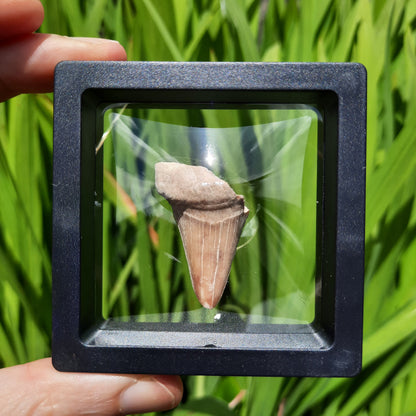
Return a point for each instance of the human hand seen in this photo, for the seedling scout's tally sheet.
(27, 63)
(28, 60)
(38, 389)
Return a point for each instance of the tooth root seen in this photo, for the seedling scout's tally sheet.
(210, 218)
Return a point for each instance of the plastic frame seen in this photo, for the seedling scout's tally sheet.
(332, 344)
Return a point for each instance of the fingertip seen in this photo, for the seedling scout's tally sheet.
(79, 48)
(38, 14)
(20, 17)
(151, 393)
(112, 50)
(174, 385)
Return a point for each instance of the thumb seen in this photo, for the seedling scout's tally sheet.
(37, 388)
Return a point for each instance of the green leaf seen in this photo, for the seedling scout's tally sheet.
(399, 163)
(164, 31)
(208, 406)
(238, 17)
(264, 396)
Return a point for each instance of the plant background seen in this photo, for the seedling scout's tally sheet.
(381, 34)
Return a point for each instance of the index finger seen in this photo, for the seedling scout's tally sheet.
(28, 62)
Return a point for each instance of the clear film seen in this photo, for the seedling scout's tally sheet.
(267, 154)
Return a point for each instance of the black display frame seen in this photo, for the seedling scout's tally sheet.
(83, 341)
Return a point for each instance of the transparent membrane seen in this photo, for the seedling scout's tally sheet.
(268, 154)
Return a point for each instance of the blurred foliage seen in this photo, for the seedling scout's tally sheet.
(380, 34)
(268, 155)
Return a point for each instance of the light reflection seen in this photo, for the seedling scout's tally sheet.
(210, 157)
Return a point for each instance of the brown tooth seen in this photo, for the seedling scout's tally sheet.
(210, 217)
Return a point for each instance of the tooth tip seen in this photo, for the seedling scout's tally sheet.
(206, 298)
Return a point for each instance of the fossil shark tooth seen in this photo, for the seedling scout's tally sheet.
(210, 217)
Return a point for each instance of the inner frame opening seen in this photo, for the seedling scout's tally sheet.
(227, 319)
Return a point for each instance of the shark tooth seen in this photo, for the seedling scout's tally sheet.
(210, 217)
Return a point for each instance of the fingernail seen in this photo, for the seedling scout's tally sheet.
(146, 395)
(94, 40)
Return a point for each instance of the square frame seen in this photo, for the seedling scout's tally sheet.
(332, 344)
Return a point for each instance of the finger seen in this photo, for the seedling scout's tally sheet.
(36, 388)
(18, 17)
(28, 63)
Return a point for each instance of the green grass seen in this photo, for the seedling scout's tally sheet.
(380, 34)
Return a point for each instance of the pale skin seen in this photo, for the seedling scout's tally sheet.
(27, 62)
